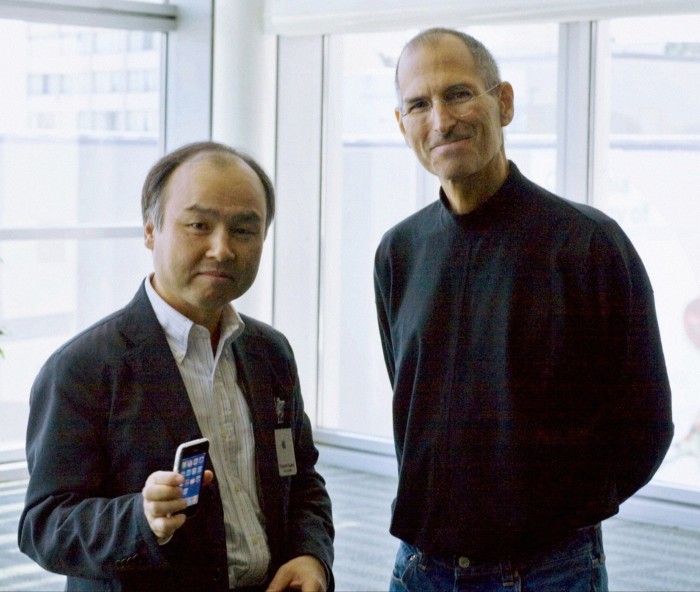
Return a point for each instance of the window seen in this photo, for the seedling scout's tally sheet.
(373, 181)
(75, 146)
(606, 113)
(647, 168)
(69, 184)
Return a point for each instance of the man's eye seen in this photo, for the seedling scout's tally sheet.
(244, 231)
(459, 96)
(418, 107)
(199, 226)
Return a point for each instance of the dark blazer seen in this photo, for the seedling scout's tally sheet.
(108, 409)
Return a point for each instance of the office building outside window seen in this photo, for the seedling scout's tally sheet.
(79, 128)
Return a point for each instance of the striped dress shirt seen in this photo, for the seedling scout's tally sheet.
(224, 418)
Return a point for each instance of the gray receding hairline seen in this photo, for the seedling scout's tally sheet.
(485, 62)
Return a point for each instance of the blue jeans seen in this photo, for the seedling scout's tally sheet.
(577, 565)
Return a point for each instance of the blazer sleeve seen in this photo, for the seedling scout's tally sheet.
(311, 529)
(79, 519)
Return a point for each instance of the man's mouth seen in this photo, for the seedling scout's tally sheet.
(217, 274)
(449, 141)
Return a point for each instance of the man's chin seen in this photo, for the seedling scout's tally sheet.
(213, 301)
(452, 175)
(218, 294)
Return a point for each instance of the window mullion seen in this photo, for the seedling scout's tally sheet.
(599, 128)
(574, 114)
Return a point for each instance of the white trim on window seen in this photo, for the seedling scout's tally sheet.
(294, 17)
(121, 14)
(70, 233)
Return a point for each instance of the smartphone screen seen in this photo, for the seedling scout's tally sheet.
(190, 460)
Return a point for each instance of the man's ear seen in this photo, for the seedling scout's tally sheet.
(399, 120)
(506, 101)
(148, 235)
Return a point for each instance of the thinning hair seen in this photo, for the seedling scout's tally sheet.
(160, 173)
(485, 62)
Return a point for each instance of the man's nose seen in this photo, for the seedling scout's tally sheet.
(441, 117)
(220, 245)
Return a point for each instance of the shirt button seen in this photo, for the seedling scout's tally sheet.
(464, 562)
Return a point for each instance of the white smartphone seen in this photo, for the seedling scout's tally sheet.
(190, 460)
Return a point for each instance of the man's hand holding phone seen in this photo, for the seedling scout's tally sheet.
(170, 496)
(162, 502)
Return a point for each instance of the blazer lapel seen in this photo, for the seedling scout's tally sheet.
(156, 370)
(255, 379)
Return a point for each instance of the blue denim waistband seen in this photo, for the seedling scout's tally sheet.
(588, 537)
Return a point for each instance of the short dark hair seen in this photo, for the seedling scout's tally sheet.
(485, 62)
(157, 178)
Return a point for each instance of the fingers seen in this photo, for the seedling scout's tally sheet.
(164, 527)
(162, 499)
(305, 573)
(164, 478)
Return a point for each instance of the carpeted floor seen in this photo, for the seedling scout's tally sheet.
(641, 557)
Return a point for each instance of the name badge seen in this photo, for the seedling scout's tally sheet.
(286, 461)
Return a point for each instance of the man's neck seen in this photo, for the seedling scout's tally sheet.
(467, 194)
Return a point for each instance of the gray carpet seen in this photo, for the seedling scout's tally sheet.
(641, 557)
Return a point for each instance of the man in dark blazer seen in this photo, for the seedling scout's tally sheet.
(110, 407)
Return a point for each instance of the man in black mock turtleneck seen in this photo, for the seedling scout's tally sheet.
(530, 391)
